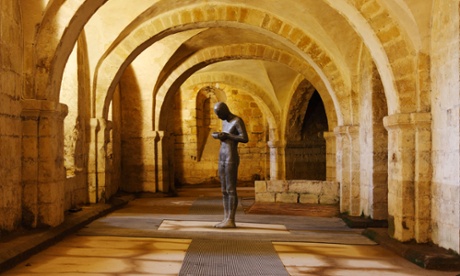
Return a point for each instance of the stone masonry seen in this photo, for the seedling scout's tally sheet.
(99, 97)
(298, 191)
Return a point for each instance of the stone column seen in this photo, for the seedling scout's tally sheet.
(343, 166)
(99, 163)
(355, 170)
(160, 161)
(409, 175)
(331, 148)
(104, 163)
(92, 160)
(423, 176)
(43, 162)
(30, 124)
(277, 160)
(149, 173)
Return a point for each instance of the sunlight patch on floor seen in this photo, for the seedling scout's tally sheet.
(200, 226)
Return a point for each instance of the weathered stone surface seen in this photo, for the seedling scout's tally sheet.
(277, 186)
(265, 197)
(305, 187)
(260, 187)
(308, 199)
(139, 117)
(326, 199)
(287, 197)
(330, 188)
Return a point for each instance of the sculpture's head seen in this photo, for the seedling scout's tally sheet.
(221, 110)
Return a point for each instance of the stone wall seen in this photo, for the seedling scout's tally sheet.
(137, 136)
(445, 188)
(196, 164)
(297, 191)
(11, 83)
(11, 48)
(75, 91)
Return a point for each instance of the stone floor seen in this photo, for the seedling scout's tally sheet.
(152, 235)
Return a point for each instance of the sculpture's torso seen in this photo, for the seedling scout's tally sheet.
(229, 147)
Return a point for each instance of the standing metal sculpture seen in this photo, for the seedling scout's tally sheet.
(233, 132)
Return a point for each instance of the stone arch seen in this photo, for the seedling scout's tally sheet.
(206, 97)
(303, 91)
(47, 56)
(55, 42)
(123, 51)
(270, 110)
(394, 57)
(225, 53)
(190, 167)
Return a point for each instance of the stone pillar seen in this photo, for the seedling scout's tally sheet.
(104, 163)
(409, 175)
(331, 148)
(277, 160)
(160, 161)
(343, 166)
(149, 173)
(30, 125)
(99, 163)
(355, 170)
(43, 163)
(92, 160)
(423, 176)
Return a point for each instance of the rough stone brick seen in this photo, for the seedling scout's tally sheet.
(325, 199)
(287, 197)
(277, 186)
(305, 187)
(330, 188)
(308, 199)
(265, 197)
(260, 187)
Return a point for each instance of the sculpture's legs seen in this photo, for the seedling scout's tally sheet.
(230, 205)
(233, 204)
(227, 171)
(226, 207)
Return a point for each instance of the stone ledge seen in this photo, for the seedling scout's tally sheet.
(427, 256)
(363, 222)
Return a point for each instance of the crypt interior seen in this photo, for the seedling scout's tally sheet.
(100, 97)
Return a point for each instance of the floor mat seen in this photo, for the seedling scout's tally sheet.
(208, 226)
(210, 206)
(231, 258)
(294, 209)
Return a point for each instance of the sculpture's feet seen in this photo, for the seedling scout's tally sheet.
(226, 224)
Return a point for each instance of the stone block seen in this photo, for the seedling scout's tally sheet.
(265, 197)
(308, 199)
(287, 197)
(260, 187)
(277, 186)
(305, 187)
(330, 188)
(326, 199)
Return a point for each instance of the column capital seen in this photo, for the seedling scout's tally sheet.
(37, 107)
(328, 135)
(407, 120)
(346, 130)
(340, 130)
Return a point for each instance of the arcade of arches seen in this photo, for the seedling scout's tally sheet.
(103, 96)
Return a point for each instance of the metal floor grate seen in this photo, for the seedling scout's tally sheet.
(231, 258)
